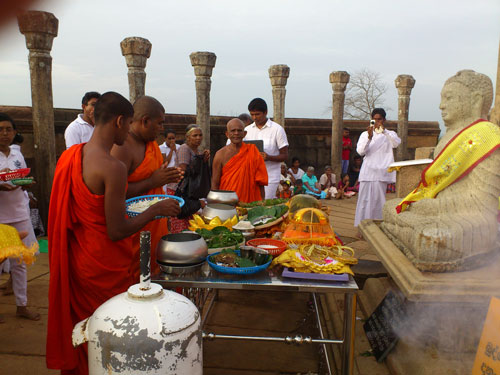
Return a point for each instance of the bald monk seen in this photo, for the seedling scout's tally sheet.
(147, 173)
(239, 166)
(90, 252)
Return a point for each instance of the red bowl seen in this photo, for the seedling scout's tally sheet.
(17, 173)
(266, 243)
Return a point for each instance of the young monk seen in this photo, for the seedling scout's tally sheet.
(239, 166)
(90, 251)
(147, 173)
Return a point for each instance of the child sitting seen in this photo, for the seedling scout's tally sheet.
(343, 189)
(299, 187)
(286, 192)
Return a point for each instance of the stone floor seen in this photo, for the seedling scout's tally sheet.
(22, 342)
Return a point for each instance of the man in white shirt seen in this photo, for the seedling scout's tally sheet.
(169, 151)
(80, 130)
(275, 143)
(375, 144)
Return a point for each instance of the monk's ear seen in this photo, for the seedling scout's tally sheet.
(227, 134)
(119, 121)
(144, 120)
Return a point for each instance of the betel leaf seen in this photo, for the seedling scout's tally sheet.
(220, 230)
(244, 262)
(256, 212)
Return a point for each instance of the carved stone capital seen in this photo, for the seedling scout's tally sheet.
(279, 74)
(404, 84)
(203, 63)
(339, 80)
(136, 51)
(39, 28)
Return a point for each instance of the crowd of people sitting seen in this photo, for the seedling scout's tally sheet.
(295, 180)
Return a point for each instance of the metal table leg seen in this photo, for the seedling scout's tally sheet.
(349, 333)
(318, 320)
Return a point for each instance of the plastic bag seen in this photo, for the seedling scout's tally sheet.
(197, 180)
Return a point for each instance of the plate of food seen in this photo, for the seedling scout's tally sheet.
(220, 238)
(137, 205)
(230, 262)
(16, 173)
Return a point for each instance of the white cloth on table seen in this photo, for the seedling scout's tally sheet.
(14, 204)
(274, 137)
(79, 131)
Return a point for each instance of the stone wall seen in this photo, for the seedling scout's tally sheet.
(309, 138)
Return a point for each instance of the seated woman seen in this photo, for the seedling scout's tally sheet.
(311, 184)
(295, 171)
(327, 182)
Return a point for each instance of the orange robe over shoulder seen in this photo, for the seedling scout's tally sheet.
(244, 173)
(153, 160)
(86, 267)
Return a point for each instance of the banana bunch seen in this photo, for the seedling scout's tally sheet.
(198, 223)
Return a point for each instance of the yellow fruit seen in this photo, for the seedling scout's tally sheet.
(234, 220)
(215, 222)
(198, 220)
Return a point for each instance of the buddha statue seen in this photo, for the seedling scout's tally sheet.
(457, 228)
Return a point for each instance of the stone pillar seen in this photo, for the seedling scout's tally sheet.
(404, 84)
(203, 63)
(495, 112)
(339, 81)
(279, 75)
(39, 29)
(136, 51)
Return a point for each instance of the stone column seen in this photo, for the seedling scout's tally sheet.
(495, 112)
(339, 81)
(203, 63)
(39, 29)
(279, 75)
(136, 51)
(404, 84)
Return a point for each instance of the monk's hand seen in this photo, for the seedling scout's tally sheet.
(164, 175)
(264, 155)
(167, 207)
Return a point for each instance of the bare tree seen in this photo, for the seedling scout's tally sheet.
(364, 92)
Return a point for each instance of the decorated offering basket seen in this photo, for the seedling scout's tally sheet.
(237, 270)
(310, 226)
(144, 198)
(273, 247)
(18, 173)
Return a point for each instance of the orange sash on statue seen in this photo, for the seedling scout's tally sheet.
(244, 173)
(86, 267)
(153, 160)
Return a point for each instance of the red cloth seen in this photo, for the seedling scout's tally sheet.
(345, 153)
(244, 173)
(153, 160)
(86, 267)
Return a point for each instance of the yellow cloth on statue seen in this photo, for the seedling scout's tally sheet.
(12, 246)
(462, 153)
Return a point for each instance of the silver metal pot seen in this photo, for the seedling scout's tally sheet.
(223, 196)
(223, 211)
(181, 248)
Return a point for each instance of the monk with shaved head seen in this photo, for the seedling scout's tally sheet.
(239, 166)
(144, 162)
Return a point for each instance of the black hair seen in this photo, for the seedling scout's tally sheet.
(298, 181)
(6, 117)
(343, 175)
(257, 104)
(379, 111)
(356, 157)
(18, 139)
(90, 95)
(294, 159)
(245, 117)
(168, 131)
(111, 105)
(346, 129)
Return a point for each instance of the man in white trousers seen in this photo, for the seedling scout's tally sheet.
(376, 144)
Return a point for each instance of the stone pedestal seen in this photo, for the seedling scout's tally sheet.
(279, 75)
(40, 29)
(408, 175)
(404, 84)
(424, 153)
(339, 81)
(203, 64)
(136, 51)
(445, 311)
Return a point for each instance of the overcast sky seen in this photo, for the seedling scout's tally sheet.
(429, 39)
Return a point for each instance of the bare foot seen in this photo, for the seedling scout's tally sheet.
(23, 312)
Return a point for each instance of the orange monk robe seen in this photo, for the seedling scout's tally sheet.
(153, 160)
(244, 173)
(86, 267)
